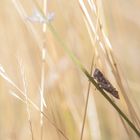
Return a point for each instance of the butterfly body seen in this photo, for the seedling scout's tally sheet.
(104, 83)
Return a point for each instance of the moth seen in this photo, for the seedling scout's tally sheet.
(104, 83)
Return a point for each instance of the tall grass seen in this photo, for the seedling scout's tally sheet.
(61, 99)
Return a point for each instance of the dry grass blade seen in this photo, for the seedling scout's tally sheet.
(22, 71)
(86, 105)
(89, 85)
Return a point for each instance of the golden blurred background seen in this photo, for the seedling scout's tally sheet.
(63, 84)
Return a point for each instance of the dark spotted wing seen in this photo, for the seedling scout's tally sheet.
(104, 83)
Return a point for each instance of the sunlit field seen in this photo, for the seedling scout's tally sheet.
(69, 70)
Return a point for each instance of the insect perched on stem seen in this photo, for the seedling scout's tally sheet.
(104, 83)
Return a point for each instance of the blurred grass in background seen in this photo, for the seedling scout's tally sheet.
(64, 85)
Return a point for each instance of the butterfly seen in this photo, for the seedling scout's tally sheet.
(104, 83)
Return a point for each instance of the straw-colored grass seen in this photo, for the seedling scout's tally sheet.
(49, 51)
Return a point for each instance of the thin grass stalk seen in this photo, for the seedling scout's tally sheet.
(43, 71)
(31, 129)
(59, 130)
(42, 90)
(119, 82)
(89, 85)
(87, 99)
(126, 128)
(130, 106)
(26, 98)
